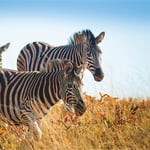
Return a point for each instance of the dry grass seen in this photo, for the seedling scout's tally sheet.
(109, 123)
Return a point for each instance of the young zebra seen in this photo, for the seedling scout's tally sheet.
(2, 49)
(25, 97)
(82, 49)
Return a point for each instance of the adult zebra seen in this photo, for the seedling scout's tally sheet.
(2, 49)
(25, 97)
(82, 50)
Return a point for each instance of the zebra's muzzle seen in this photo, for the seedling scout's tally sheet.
(99, 75)
(79, 110)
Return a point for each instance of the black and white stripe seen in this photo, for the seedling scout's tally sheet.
(82, 50)
(25, 97)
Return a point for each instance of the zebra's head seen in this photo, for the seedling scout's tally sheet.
(4, 48)
(71, 89)
(91, 52)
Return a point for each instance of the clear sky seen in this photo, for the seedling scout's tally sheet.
(126, 46)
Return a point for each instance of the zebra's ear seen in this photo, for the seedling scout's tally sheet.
(100, 37)
(68, 68)
(43, 69)
(78, 69)
(5, 47)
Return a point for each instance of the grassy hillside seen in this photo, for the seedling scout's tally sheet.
(109, 123)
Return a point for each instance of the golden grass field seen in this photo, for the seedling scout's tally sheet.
(108, 124)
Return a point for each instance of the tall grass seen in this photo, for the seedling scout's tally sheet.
(109, 123)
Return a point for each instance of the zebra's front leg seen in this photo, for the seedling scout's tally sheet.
(33, 127)
(35, 130)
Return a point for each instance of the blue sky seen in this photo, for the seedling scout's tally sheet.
(137, 10)
(126, 47)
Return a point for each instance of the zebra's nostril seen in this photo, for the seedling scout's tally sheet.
(99, 75)
(80, 112)
(98, 78)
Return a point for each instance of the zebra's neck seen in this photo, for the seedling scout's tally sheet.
(70, 52)
(48, 87)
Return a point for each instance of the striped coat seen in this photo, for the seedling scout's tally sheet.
(82, 50)
(24, 94)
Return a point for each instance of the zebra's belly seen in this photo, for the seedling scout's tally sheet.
(10, 116)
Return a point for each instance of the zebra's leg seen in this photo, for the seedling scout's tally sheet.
(30, 121)
(34, 128)
(39, 121)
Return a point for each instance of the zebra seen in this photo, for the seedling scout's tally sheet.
(25, 95)
(82, 50)
(2, 49)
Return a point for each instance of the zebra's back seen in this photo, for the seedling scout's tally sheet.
(31, 56)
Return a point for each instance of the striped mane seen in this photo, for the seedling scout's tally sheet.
(87, 34)
(58, 65)
(53, 66)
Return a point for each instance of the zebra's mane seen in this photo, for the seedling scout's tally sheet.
(58, 65)
(54, 66)
(75, 39)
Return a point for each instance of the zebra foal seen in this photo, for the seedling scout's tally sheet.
(24, 94)
(82, 50)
